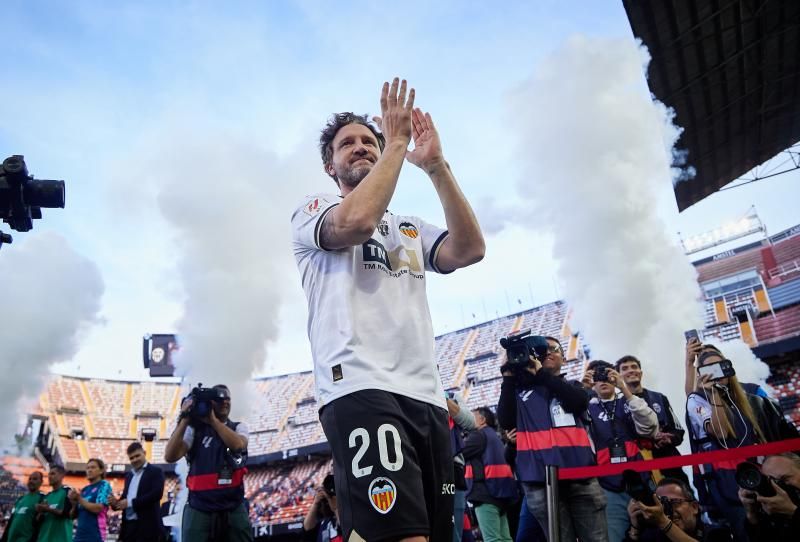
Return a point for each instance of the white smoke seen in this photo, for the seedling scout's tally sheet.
(596, 152)
(50, 298)
(229, 203)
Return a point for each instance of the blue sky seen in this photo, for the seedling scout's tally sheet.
(119, 100)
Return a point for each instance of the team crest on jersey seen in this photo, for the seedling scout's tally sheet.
(383, 228)
(657, 408)
(312, 207)
(382, 494)
(409, 230)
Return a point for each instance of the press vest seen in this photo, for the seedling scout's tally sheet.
(605, 433)
(497, 473)
(208, 456)
(547, 435)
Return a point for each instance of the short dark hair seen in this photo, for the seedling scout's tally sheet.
(335, 123)
(685, 487)
(627, 359)
(488, 415)
(58, 468)
(598, 363)
(40, 473)
(133, 446)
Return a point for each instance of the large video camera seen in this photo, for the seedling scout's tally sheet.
(22, 197)
(520, 346)
(201, 400)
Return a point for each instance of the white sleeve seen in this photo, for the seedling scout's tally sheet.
(307, 220)
(432, 238)
(243, 430)
(188, 437)
(698, 412)
(644, 418)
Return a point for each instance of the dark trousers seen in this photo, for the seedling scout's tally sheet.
(232, 526)
(137, 531)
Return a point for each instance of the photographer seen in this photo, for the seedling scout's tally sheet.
(321, 523)
(216, 450)
(675, 516)
(775, 516)
(491, 487)
(548, 414)
(670, 432)
(617, 421)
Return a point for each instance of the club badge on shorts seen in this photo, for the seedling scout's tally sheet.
(382, 494)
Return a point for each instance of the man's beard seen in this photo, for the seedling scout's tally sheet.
(354, 175)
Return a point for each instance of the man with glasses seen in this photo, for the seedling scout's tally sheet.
(674, 516)
(775, 517)
(549, 414)
(216, 450)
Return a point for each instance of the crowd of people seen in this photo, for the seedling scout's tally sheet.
(608, 418)
(86, 514)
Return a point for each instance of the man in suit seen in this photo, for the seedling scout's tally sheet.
(141, 498)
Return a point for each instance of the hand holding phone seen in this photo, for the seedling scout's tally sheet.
(717, 370)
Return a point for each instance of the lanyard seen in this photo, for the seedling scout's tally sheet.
(611, 415)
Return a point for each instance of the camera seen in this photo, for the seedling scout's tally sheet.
(22, 197)
(666, 505)
(202, 398)
(520, 346)
(749, 478)
(639, 487)
(601, 374)
(328, 486)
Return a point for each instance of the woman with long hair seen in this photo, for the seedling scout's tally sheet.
(91, 504)
(720, 416)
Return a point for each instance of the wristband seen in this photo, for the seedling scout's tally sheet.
(666, 529)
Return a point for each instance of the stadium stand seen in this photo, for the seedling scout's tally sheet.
(99, 418)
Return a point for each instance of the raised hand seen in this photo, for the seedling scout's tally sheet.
(395, 119)
(693, 348)
(427, 154)
(616, 380)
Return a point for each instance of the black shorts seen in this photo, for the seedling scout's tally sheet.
(392, 465)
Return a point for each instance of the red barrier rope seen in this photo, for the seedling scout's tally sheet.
(771, 448)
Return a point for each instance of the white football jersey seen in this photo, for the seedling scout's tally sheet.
(368, 318)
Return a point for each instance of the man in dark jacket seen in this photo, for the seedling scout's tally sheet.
(549, 415)
(491, 487)
(670, 432)
(141, 499)
(777, 517)
(675, 516)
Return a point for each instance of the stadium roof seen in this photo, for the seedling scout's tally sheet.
(731, 71)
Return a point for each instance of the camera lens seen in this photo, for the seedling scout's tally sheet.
(749, 479)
